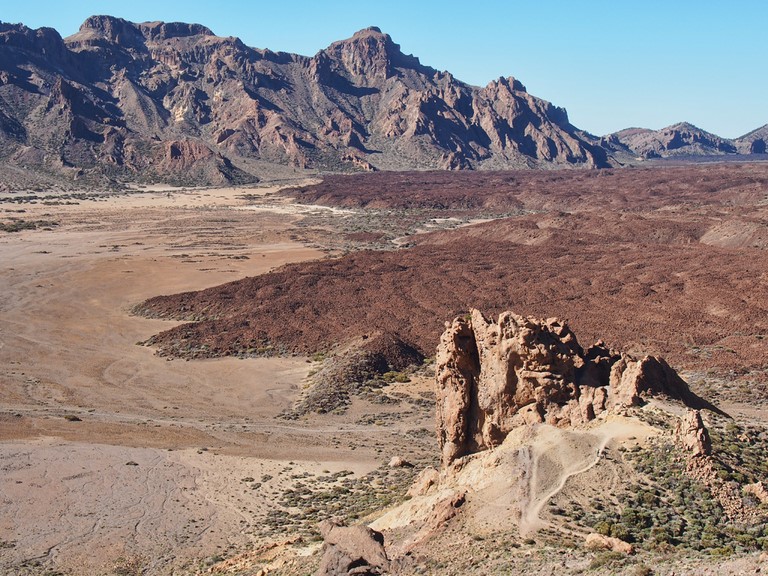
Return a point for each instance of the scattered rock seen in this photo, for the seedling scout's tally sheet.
(398, 462)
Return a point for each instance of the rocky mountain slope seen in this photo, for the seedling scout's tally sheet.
(174, 101)
(682, 140)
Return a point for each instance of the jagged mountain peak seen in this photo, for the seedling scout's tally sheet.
(44, 46)
(43, 32)
(510, 83)
(154, 99)
(371, 31)
(109, 28)
(21, 35)
(684, 126)
(371, 52)
(165, 30)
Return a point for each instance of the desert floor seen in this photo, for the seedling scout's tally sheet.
(116, 460)
(111, 455)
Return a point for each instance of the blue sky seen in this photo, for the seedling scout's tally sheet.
(611, 63)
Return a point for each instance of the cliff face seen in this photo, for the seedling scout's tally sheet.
(157, 99)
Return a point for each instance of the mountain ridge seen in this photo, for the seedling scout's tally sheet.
(166, 101)
(171, 101)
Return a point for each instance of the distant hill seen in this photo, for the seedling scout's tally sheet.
(120, 101)
(755, 142)
(173, 101)
(676, 140)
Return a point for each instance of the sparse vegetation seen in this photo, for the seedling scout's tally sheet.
(670, 509)
(662, 510)
(18, 224)
(129, 566)
(337, 495)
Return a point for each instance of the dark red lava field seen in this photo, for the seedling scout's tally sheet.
(663, 260)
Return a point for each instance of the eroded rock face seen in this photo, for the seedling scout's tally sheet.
(633, 380)
(493, 376)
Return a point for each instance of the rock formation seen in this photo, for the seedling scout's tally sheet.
(493, 376)
(757, 490)
(693, 435)
(599, 542)
(351, 550)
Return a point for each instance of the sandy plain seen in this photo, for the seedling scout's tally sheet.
(110, 455)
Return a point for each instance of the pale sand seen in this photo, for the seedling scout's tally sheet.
(86, 505)
(194, 429)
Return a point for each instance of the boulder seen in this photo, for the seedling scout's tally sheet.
(398, 462)
(349, 550)
(597, 542)
(426, 479)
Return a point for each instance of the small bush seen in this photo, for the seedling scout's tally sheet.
(612, 559)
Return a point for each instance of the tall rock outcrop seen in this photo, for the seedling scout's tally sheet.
(349, 550)
(493, 376)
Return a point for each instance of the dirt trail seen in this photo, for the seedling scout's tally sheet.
(557, 456)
